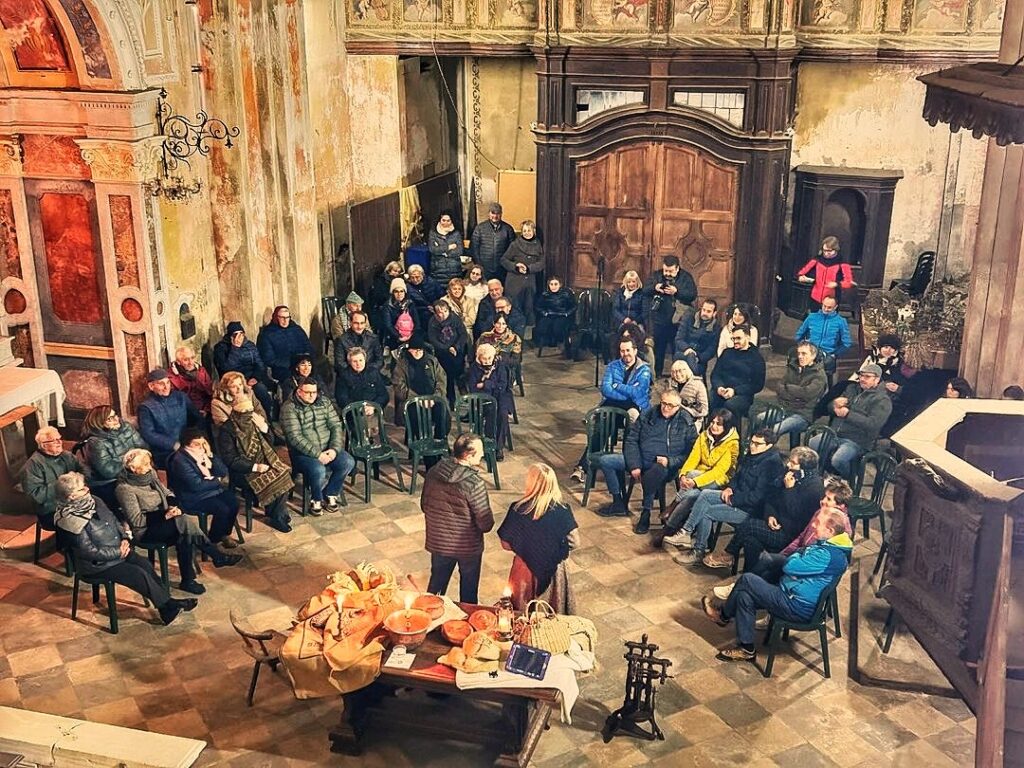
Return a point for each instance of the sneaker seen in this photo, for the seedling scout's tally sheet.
(712, 612)
(616, 509)
(316, 508)
(762, 622)
(718, 561)
(683, 539)
(332, 504)
(723, 591)
(688, 557)
(579, 475)
(735, 654)
(192, 587)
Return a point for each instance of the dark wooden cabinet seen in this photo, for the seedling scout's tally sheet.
(854, 205)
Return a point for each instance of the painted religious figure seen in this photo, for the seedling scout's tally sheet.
(825, 13)
(32, 33)
(627, 9)
(706, 13)
(944, 15)
(422, 10)
(517, 13)
(618, 14)
(368, 11)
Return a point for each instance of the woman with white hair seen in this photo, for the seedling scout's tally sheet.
(490, 374)
(692, 392)
(100, 546)
(628, 301)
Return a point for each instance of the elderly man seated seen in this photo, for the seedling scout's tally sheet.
(487, 309)
(189, 376)
(163, 415)
(41, 471)
(342, 321)
(358, 336)
(805, 575)
(858, 415)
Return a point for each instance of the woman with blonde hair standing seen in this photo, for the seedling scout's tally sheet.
(540, 530)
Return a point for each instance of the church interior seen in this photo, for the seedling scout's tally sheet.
(168, 167)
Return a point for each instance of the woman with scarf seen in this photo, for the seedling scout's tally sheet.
(523, 261)
(738, 315)
(302, 367)
(195, 476)
(380, 291)
(476, 286)
(101, 546)
(107, 439)
(692, 392)
(446, 248)
(253, 464)
(155, 518)
(506, 342)
(831, 277)
(447, 333)
(399, 315)
(419, 373)
(628, 301)
(231, 386)
(462, 305)
(541, 530)
(556, 312)
(490, 375)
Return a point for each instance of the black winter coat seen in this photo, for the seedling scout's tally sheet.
(661, 312)
(445, 262)
(369, 384)
(367, 341)
(98, 545)
(488, 244)
(699, 335)
(741, 370)
(794, 507)
(633, 307)
(245, 359)
(757, 478)
(187, 482)
(653, 435)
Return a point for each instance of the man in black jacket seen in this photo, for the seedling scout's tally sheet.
(358, 335)
(786, 514)
(656, 447)
(666, 289)
(759, 475)
(489, 241)
(697, 338)
(358, 381)
(738, 375)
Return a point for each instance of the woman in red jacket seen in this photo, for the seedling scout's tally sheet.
(831, 274)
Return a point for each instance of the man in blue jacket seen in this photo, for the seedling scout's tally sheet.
(697, 338)
(279, 340)
(805, 575)
(829, 332)
(163, 415)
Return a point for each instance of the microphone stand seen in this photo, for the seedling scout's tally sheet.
(595, 329)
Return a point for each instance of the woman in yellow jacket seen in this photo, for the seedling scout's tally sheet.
(710, 465)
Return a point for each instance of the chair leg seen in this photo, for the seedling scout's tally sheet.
(890, 630)
(834, 606)
(492, 459)
(112, 605)
(366, 480)
(69, 564)
(74, 596)
(882, 552)
(95, 594)
(165, 570)
(398, 473)
(252, 685)
(415, 467)
(588, 484)
(238, 532)
(823, 634)
(248, 515)
(773, 642)
(716, 531)
(39, 538)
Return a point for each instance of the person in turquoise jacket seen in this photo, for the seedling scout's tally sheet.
(805, 575)
(829, 332)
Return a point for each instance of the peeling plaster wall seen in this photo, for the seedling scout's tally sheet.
(426, 119)
(508, 105)
(869, 116)
(376, 137)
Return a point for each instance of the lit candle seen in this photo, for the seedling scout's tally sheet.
(408, 605)
(504, 625)
(506, 593)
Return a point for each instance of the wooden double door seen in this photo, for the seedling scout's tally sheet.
(637, 203)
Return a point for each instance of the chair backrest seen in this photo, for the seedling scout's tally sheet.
(358, 423)
(419, 416)
(923, 272)
(885, 471)
(828, 442)
(480, 411)
(823, 600)
(255, 641)
(330, 305)
(603, 425)
(765, 416)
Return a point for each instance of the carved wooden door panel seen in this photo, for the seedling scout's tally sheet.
(638, 203)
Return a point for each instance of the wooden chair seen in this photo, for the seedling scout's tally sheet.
(479, 413)
(603, 425)
(263, 646)
(420, 430)
(779, 629)
(359, 426)
(867, 509)
(828, 442)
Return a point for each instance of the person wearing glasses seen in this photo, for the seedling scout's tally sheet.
(279, 340)
(107, 440)
(858, 415)
(41, 471)
(758, 475)
(738, 375)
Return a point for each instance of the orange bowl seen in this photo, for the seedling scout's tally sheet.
(407, 627)
(431, 604)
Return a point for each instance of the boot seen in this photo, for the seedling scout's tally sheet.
(219, 559)
(169, 611)
(643, 523)
(616, 509)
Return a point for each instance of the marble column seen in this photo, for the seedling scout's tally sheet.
(992, 355)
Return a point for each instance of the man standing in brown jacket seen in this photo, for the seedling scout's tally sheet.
(458, 514)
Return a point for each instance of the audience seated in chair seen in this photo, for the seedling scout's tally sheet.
(196, 475)
(417, 372)
(342, 321)
(358, 336)
(857, 417)
(738, 315)
(102, 549)
(507, 343)
(829, 332)
(302, 368)
(709, 466)
(491, 375)
(423, 292)
(837, 495)
(803, 576)
(447, 333)
(556, 313)
(692, 392)
(39, 479)
(163, 415)
(235, 353)
(802, 386)
(399, 316)
(628, 301)
(279, 340)
(107, 439)
(357, 381)
(188, 375)
(460, 303)
(758, 476)
(696, 341)
(738, 375)
(786, 514)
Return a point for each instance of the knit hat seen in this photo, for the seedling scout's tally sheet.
(398, 284)
(354, 298)
(405, 325)
(889, 340)
(157, 374)
(234, 327)
(415, 342)
(871, 368)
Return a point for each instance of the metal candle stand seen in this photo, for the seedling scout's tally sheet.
(642, 671)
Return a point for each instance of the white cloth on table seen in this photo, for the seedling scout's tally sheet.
(40, 387)
(560, 674)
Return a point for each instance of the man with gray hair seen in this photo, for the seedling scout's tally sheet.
(803, 385)
(41, 471)
(490, 240)
(188, 375)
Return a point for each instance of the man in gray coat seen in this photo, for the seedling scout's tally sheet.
(857, 417)
(489, 242)
(458, 514)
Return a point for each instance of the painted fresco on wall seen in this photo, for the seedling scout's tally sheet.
(71, 268)
(370, 11)
(620, 14)
(88, 38)
(826, 13)
(691, 14)
(33, 35)
(516, 13)
(940, 15)
(988, 15)
(53, 157)
(422, 11)
(10, 264)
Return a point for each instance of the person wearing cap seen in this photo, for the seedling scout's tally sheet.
(302, 368)
(446, 248)
(235, 352)
(490, 240)
(886, 355)
(279, 340)
(828, 331)
(189, 376)
(163, 415)
(343, 320)
(858, 415)
(358, 336)
(400, 316)
(418, 372)
(316, 443)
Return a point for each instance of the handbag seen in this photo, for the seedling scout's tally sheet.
(542, 628)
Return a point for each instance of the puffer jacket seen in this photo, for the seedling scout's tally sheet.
(40, 478)
(197, 385)
(635, 393)
(105, 450)
(245, 359)
(390, 313)
(809, 571)
(188, 482)
(351, 387)
(653, 435)
(311, 428)
(828, 332)
(869, 410)
(445, 261)
(277, 345)
(457, 511)
(757, 477)
(802, 388)
(488, 244)
(98, 545)
(561, 304)
(716, 462)
(161, 420)
(699, 335)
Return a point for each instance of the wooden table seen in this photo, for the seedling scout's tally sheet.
(515, 729)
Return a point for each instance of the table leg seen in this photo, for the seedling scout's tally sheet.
(347, 736)
(527, 721)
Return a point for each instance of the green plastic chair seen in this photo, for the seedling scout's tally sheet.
(603, 425)
(829, 441)
(779, 629)
(153, 551)
(420, 430)
(475, 412)
(866, 509)
(363, 447)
